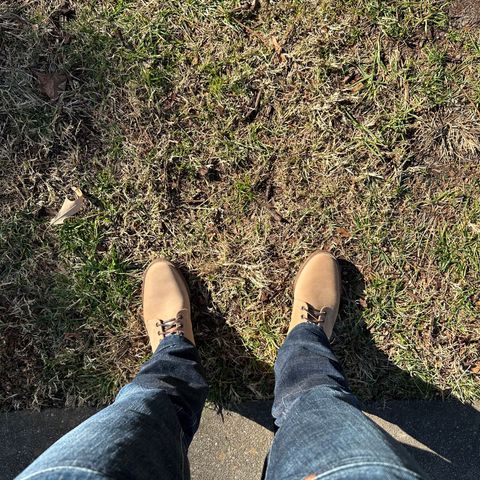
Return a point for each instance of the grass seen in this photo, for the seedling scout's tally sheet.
(234, 140)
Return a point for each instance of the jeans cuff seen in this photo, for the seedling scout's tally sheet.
(310, 327)
(171, 341)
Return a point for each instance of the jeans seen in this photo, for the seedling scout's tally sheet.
(146, 432)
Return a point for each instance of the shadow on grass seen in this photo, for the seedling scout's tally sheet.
(448, 430)
(231, 368)
(54, 314)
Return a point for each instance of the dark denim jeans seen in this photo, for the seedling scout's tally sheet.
(146, 432)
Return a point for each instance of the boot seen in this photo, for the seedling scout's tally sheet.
(166, 303)
(317, 289)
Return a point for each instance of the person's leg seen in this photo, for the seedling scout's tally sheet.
(322, 433)
(146, 432)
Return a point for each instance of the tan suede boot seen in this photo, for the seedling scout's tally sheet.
(317, 289)
(166, 303)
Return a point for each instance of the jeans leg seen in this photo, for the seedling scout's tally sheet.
(322, 432)
(144, 434)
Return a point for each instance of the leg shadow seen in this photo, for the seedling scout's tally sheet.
(224, 355)
(449, 430)
(443, 436)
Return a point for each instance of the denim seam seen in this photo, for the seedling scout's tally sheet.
(364, 464)
(173, 341)
(65, 467)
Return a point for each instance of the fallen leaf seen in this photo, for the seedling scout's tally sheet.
(265, 296)
(278, 49)
(170, 100)
(270, 42)
(254, 5)
(475, 299)
(275, 214)
(348, 78)
(275, 45)
(69, 207)
(476, 369)
(52, 84)
(357, 87)
(343, 232)
(252, 114)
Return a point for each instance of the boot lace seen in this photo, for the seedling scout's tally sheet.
(313, 315)
(173, 326)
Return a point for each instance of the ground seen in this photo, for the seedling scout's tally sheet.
(234, 138)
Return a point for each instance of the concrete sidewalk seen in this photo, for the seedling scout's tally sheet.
(443, 436)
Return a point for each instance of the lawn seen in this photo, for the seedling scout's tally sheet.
(234, 138)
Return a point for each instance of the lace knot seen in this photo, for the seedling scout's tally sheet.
(313, 315)
(172, 326)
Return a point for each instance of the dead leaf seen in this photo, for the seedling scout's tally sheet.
(275, 45)
(343, 232)
(69, 207)
(52, 84)
(278, 49)
(357, 87)
(476, 369)
(265, 296)
(254, 5)
(170, 100)
(349, 77)
(475, 299)
(275, 214)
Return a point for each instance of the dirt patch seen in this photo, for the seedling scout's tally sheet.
(465, 13)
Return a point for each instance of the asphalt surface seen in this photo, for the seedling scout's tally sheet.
(444, 437)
